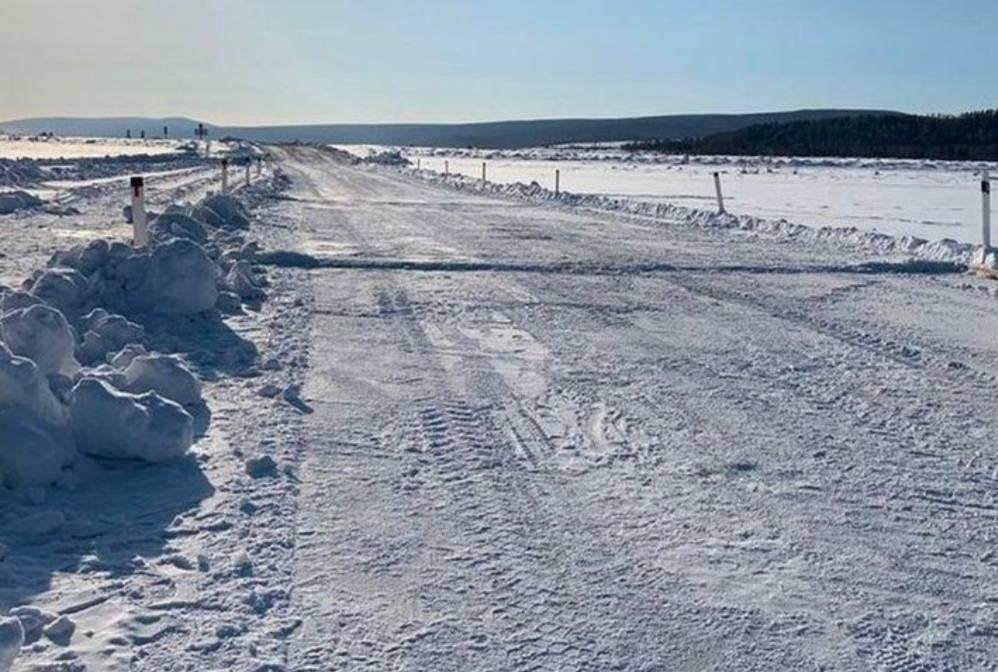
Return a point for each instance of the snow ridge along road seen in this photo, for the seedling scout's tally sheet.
(673, 449)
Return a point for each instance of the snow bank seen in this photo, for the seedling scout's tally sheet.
(872, 241)
(75, 374)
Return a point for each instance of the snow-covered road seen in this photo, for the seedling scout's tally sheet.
(552, 440)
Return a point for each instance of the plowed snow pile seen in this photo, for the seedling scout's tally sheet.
(76, 378)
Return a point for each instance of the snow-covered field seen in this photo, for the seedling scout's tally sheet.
(419, 427)
(37, 147)
(925, 199)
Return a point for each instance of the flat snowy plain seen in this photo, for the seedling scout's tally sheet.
(927, 199)
(511, 436)
(31, 147)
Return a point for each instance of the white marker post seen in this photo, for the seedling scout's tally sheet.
(483, 171)
(419, 164)
(225, 176)
(140, 234)
(446, 168)
(557, 182)
(986, 212)
(720, 196)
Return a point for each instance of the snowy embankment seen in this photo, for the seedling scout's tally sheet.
(97, 366)
(945, 249)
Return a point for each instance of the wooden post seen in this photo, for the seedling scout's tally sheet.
(557, 182)
(483, 171)
(225, 176)
(446, 168)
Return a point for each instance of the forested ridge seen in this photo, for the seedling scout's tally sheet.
(970, 136)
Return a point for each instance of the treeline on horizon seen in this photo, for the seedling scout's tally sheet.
(969, 136)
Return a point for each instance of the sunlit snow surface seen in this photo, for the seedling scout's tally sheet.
(927, 199)
(31, 147)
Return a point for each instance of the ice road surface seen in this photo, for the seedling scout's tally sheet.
(554, 440)
(485, 434)
(927, 199)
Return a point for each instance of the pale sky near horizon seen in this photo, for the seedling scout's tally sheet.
(314, 61)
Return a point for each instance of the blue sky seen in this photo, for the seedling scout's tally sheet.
(298, 61)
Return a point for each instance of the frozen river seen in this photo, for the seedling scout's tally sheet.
(930, 200)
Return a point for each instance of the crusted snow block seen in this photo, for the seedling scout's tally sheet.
(12, 201)
(174, 278)
(84, 258)
(177, 224)
(181, 279)
(125, 356)
(61, 288)
(41, 333)
(109, 423)
(18, 299)
(231, 213)
(23, 386)
(11, 640)
(32, 451)
(166, 376)
(106, 333)
(243, 281)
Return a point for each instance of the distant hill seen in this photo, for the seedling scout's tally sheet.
(490, 135)
(102, 127)
(970, 136)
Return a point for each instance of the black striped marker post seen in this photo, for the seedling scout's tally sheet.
(140, 234)
(986, 210)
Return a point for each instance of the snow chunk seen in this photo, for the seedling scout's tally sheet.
(258, 467)
(230, 213)
(23, 386)
(12, 201)
(32, 451)
(60, 630)
(127, 354)
(61, 288)
(166, 376)
(32, 621)
(176, 224)
(84, 258)
(11, 640)
(114, 424)
(244, 282)
(18, 299)
(106, 333)
(41, 333)
(181, 279)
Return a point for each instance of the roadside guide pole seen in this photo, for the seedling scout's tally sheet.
(140, 234)
(720, 196)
